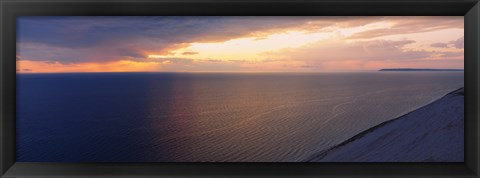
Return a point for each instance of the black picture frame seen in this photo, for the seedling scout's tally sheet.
(10, 9)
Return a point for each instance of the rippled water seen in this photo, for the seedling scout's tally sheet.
(184, 117)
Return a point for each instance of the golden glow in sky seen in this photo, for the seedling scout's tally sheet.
(238, 44)
(249, 48)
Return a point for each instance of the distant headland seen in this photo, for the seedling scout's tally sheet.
(414, 69)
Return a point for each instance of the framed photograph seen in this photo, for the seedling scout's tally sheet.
(230, 88)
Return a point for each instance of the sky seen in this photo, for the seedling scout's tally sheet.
(237, 43)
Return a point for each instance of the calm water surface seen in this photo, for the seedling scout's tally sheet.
(185, 117)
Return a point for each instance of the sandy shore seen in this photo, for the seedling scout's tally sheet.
(432, 133)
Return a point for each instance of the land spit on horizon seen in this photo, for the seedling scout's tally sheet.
(168, 117)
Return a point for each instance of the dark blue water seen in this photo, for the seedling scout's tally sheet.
(184, 117)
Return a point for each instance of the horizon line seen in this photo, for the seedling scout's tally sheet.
(356, 71)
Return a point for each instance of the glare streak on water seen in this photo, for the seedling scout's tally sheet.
(167, 117)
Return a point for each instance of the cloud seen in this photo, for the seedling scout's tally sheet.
(238, 60)
(459, 43)
(440, 45)
(24, 70)
(213, 60)
(189, 53)
(110, 38)
(337, 55)
(204, 66)
(402, 25)
(451, 54)
(102, 40)
(182, 61)
(271, 60)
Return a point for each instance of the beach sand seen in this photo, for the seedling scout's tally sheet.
(432, 133)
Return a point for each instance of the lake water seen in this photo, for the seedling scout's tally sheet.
(192, 117)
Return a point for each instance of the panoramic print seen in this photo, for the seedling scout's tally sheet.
(240, 89)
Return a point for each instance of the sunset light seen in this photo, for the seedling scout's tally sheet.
(165, 89)
(237, 44)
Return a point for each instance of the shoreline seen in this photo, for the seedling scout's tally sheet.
(319, 156)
